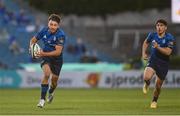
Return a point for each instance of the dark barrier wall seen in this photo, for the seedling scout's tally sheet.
(97, 7)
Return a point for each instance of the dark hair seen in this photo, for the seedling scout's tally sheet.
(54, 17)
(162, 21)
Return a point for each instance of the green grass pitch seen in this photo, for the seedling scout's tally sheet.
(89, 101)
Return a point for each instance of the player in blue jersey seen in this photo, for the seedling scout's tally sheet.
(161, 44)
(53, 39)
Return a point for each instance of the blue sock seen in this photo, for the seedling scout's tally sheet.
(51, 90)
(44, 88)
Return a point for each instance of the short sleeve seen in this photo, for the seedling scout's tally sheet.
(171, 42)
(61, 40)
(149, 37)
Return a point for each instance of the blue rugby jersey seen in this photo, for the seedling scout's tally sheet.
(166, 41)
(50, 40)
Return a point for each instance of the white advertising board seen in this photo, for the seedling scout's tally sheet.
(134, 79)
(123, 79)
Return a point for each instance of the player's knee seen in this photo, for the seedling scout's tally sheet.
(54, 82)
(146, 77)
(148, 73)
(45, 79)
(47, 75)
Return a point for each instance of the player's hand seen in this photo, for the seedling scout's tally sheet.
(155, 44)
(40, 54)
(145, 56)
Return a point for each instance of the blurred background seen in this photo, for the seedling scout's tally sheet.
(102, 71)
(104, 41)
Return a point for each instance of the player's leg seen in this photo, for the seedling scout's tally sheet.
(161, 72)
(56, 69)
(148, 74)
(157, 91)
(54, 81)
(44, 84)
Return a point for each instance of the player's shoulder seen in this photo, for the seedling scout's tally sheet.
(152, 34)
(60, 32)
(169, 36)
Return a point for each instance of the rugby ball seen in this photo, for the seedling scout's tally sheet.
(35, 49)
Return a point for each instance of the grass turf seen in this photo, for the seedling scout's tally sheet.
(89, 101)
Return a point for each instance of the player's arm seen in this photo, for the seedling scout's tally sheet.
(144, 49)
(37, 37)
(33, 41)
(56, 52)
(164, 50)
(58, 48)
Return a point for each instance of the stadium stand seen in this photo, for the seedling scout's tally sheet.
(20, 25)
